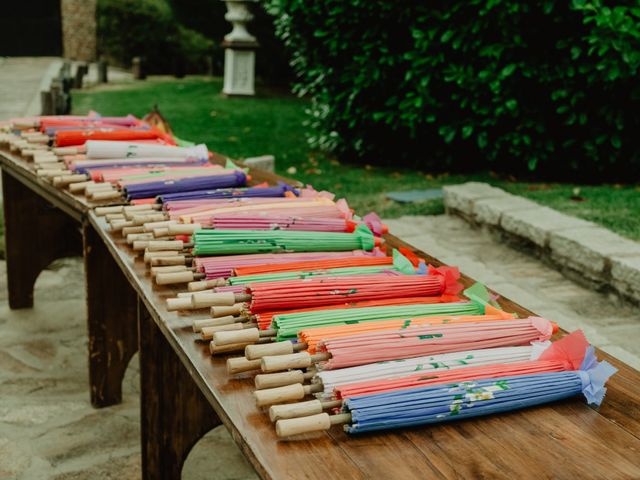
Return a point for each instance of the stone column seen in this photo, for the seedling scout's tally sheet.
(79, 29)
(240, 46)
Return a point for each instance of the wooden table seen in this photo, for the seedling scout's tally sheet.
(185, 392)
(44, 223)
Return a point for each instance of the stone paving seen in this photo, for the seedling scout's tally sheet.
(21, 80)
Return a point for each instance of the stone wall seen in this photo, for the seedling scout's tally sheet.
(79, 29)
(584, 251)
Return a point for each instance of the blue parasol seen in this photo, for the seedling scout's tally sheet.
(435, 404)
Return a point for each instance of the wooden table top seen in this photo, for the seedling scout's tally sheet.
(77, 205)
(566, 439)
(74, 205)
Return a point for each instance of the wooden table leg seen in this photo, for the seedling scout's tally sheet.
(112, 316)
(174, 412)
(36, 233)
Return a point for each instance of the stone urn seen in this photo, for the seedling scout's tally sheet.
(240, 47)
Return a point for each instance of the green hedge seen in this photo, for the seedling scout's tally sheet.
(474, 84)
(147, 28)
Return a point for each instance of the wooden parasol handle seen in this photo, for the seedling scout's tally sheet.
(241, 364)
(183, 228)
(313, 423)
(198, 325)
(301, 409)
(254, 352)
(280, 379)
(223, 311)
(287, 393)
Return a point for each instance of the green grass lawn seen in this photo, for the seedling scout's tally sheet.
(272, 123)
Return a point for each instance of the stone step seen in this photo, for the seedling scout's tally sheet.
(583, 250)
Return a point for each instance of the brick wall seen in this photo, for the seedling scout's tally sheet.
(79, 29)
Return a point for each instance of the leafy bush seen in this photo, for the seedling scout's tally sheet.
(207, 17)
(147, 28)
(474, 84)
(183, 35)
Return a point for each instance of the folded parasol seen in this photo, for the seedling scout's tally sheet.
(334, 290)
(565, 354)
(111, 149)
(428, 340)
(265, 319)
(340, 267)
(288, 325)
(434, 404)
(152, 189)
(225, 242)
(84, 166)
(223, 267)
(277, 191)
(79, 137)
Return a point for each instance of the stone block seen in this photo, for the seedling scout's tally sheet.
(537, 224)
(463, 196)
(625, 275)
(264, 162)
(589, 249)
(490, 211)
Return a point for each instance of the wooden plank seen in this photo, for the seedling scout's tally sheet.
(112, 321)
(174, 414)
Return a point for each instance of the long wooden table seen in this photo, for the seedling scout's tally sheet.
(185, 392)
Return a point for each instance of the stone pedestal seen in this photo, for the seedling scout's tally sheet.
(239, 68)
(240, 46)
